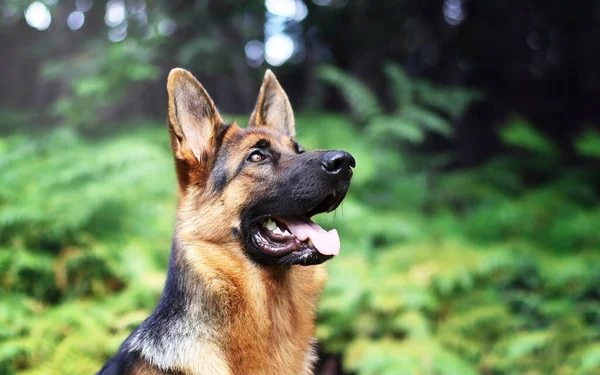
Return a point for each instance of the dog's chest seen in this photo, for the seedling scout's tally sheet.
(276, 334)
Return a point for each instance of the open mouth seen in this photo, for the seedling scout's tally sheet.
(278, 235)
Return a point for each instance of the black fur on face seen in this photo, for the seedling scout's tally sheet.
(297, 185)
(301, 189)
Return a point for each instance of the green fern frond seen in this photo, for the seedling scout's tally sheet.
(361, 100)
(401, 85)
(588, 144)
(397, 127)
(451, 101)
(520, 133)
(429, 120)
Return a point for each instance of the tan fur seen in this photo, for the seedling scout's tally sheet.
(267, 313)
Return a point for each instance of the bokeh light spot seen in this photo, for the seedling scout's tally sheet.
(76, 20)
(255, 51)
(115, 12)
(38, 16)
(166, 27)
(282, 8)
(118, 33)
(278, 49)
(454, 13)
(301, 11)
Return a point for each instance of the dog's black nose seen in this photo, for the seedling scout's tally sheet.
(338, 163)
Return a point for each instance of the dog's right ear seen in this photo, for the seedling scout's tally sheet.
(194, 123)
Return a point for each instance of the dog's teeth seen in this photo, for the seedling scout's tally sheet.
(310, 242)
(269, 224)
(286, 233)
(277, 231)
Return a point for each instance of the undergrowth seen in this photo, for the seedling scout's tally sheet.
(467, 272)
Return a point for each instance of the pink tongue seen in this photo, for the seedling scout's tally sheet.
(327, 243)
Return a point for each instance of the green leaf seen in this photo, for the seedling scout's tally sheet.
(400, 83)
(522, 134)
(396, 127)
(588, 144)
(451, 101)
(361, 100)
(429, 120)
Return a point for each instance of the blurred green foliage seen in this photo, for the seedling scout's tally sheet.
(520, 133)
(97, 82)
(419, 106)
(477, 271)
(588, 144)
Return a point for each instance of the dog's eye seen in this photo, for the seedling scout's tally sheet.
(256, 157)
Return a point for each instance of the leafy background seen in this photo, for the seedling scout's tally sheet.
(449, 266)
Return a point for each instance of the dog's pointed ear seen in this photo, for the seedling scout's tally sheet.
(273, 109)
(194, 120)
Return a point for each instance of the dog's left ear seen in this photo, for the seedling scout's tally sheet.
(273, 109)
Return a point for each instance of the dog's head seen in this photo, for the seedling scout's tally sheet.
(253, 186)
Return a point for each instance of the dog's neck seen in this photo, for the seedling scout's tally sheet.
(223, 313)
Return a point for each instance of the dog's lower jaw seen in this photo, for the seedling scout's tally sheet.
(226, 315)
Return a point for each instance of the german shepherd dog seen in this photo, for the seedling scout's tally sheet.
(240, 297)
